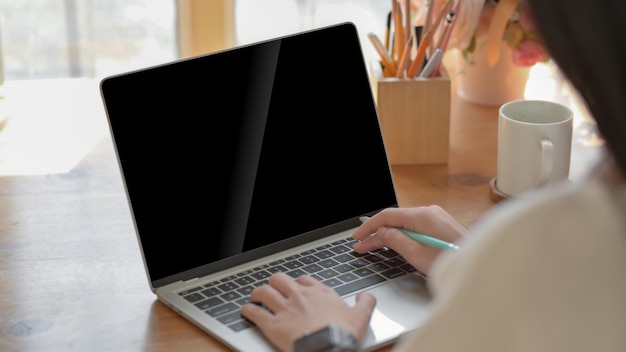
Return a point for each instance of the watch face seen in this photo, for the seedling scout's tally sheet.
(330, 338)
(320, 340)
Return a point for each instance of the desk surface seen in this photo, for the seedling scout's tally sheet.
(71, 276)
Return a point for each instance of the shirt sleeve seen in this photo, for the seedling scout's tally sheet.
(518, 282)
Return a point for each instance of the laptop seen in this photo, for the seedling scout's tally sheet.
(258, 159)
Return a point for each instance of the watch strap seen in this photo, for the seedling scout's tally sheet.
(330, 338)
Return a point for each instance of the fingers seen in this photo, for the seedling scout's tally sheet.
(274, 295)
(365, 303)
(256, 313)
(385, 237)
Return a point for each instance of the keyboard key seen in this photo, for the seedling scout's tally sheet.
(363, 272)
(359, 284)
(340, 249)
(387, 253)
(260, 283)
(296, 273)
(343, 258)
(230, 318)
(343, 268)
(209, 303)
(328, 273)
(276, 269)
(186, 292)
(194, 297)
(332, 282)
(227, 286)
(243, 300)
(293, 264)
(223, 309)
(359, 263)
(328, 263)
(229, 296)
(378, 267)
(391, 273)
(313, 268)
(213, 291)
(260, 275)
(324, 254)
(373, 258)
(347, 277)
(246, 280)
(394, 262)
(309, 259)
(241, 325)
(245, 290)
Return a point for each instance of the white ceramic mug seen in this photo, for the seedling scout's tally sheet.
(534, 145)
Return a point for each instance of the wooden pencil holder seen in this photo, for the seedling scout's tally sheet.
(414, 117)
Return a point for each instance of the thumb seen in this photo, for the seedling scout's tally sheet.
(364, 307)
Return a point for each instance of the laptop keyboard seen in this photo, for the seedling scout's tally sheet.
(335, 265)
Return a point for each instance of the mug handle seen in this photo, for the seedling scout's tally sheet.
(547, 162)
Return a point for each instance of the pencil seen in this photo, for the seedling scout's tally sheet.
(398, 30)
(423, 239)
(429, 18)
(403, 63)
(419, 57)
(388, 63)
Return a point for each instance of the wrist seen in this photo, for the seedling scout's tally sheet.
(331, 338)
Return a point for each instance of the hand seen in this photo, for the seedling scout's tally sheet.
(432, 221)
(304, 305)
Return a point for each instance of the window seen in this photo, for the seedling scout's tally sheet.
(84, 38)
(263, 19)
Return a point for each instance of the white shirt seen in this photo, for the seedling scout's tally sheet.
(544, 272)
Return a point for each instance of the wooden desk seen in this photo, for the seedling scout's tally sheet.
(71, 275)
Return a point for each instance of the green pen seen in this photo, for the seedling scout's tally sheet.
(423, 239)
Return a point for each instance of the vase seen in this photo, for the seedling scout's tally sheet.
(480, 83)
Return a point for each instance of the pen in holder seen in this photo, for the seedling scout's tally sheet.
(414, 117)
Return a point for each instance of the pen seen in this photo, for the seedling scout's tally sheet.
(423, 239)
(442, 14)
(447, 25)
(446, 39)
(432, 63)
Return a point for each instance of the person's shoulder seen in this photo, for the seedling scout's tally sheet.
(557, 222)
(553, 214)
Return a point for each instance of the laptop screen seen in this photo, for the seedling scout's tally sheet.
(233, 151)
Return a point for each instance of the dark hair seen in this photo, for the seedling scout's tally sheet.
(587, 40)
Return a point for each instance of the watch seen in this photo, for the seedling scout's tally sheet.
(331, 338)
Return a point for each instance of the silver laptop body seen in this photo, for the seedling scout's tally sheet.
(253, 160)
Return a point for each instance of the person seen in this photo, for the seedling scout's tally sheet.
(543, 272)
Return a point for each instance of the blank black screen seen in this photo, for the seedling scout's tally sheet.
(232, 151)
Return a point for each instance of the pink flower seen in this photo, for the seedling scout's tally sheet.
(528, 53)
